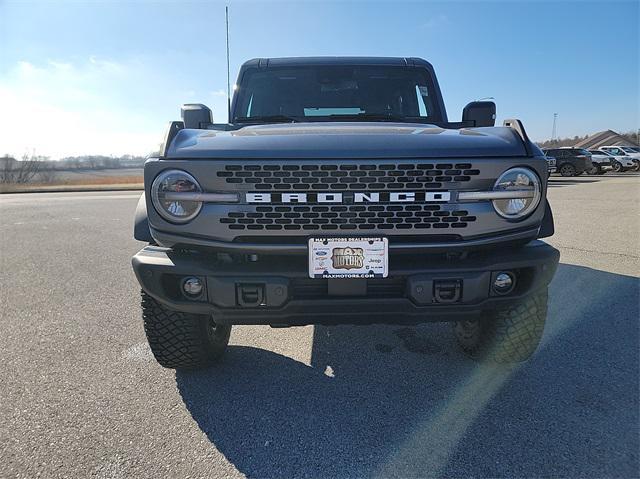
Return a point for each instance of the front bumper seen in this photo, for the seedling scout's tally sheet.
(276, 290)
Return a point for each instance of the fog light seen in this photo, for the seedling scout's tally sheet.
(503, 283)
(192, 286)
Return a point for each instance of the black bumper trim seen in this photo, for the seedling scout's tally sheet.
(173, 240)
(152, 265)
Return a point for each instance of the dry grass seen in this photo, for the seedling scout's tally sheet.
(100, 182)
(96, 180)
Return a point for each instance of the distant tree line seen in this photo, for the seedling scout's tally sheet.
(100, 162)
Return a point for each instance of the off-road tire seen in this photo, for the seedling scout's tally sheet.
(567, 170)
(181, 340)
(507, 335)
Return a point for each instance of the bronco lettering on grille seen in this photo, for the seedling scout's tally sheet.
(349, 198)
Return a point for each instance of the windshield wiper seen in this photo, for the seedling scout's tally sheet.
(380, 117)
(266, 119)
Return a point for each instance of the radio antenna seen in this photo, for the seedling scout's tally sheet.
(226, 12)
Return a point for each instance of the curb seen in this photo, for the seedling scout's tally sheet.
(74, 189)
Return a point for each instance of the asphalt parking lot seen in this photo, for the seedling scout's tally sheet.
(80, 394)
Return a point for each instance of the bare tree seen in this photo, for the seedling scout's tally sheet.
(24, 171)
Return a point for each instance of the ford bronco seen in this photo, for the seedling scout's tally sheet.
(339, 192)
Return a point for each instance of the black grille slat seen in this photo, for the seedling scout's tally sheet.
(350, 217)
(307, 288)
(350, 176)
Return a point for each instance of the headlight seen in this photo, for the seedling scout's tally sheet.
(525, 184)
(174, 209)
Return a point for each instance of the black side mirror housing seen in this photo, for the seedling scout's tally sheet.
(196, 115)
(480, 113)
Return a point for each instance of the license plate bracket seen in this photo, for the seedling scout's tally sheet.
(344, 257)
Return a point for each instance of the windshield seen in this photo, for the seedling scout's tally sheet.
(336, 93)
(628, 149)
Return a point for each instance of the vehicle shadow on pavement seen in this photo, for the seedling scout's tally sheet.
(557, 182)
(385, 401)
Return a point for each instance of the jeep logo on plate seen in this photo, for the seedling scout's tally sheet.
(351, 197)
(348, 258)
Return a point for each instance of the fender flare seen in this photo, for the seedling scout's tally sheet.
(546, 227)
(141, 230)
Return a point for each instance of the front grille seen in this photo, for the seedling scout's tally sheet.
(306, 288)
(348, 217)
(365, 177)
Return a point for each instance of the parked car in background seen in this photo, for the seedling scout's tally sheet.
(602, 162)
(551, 164)
(570, 161)
(632, 151)
(623, 160)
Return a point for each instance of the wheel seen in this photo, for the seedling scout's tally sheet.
(181, 340)
(595, 170)
(636, 165)
(568, 170)
(617, 167)
(507, 335)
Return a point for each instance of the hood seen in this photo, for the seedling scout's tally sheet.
(347, 140)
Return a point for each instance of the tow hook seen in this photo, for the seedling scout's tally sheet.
(250, 294)
(447, 291)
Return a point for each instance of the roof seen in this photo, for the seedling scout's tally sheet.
(376, 61)
(605, 138)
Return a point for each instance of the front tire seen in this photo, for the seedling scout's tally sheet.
(508, 335)
(181, 340)
(567, 170)
(636, 165)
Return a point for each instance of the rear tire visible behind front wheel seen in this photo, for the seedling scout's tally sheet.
(181, 340)
(568, 170)
(507, 335)
(596, 169)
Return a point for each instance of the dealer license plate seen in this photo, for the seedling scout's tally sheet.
(348, 257)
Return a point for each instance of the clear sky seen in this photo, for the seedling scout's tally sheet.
(105, 77)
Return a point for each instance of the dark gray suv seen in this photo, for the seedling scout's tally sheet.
(341, 193)
(571, 161)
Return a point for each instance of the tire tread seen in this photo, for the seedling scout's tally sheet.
(180, 340)
(511, 334)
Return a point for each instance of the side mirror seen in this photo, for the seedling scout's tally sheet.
(196, 115)
(480, 113)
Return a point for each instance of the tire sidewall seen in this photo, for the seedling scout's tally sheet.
(567, 170)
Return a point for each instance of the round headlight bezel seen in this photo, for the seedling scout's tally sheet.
(157, 202)
(535, 200)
